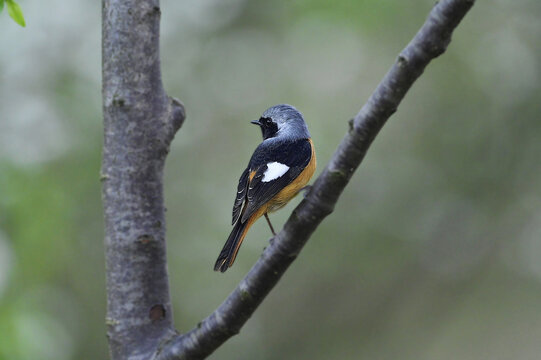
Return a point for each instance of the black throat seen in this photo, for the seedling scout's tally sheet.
(268, 128)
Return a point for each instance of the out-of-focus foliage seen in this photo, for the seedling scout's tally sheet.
(14, 11)
(432, 252)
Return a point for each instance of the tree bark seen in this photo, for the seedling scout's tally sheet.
(140, 121)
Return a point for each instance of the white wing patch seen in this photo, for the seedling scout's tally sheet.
(274, 171)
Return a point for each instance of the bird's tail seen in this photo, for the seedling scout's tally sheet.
(229, 251)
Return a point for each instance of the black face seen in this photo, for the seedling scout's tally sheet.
(268, 127)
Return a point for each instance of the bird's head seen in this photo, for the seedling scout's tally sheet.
(284, 122)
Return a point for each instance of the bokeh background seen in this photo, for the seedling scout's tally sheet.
(433, 251)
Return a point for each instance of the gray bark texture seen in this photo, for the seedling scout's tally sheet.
(140, 121)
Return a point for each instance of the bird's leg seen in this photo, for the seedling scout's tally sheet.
(270, 225)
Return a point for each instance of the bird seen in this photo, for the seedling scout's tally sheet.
(280, 167)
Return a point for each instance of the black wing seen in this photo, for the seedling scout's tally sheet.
(296, 155)
(241, 194)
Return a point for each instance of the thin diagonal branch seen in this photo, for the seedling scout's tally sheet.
(226, 321)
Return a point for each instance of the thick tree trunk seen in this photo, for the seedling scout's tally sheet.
(140, 121)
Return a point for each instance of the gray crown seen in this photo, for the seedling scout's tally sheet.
(290, 122)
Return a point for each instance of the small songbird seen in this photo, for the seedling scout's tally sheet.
(279, 168)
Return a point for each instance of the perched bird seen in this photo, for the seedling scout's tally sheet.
(278, 169)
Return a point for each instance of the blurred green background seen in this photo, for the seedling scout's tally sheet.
(432, 252)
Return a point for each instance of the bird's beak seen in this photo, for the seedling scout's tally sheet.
(255, 122)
